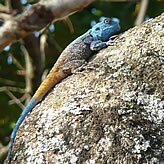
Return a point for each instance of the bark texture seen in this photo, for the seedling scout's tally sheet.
(111, 112)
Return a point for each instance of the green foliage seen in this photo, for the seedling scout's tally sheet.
(61, 36)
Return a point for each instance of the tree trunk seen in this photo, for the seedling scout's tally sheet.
(111, 112)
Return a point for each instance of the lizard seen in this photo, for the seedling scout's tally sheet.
(73, 57)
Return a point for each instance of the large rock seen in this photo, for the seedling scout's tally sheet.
(111, 112)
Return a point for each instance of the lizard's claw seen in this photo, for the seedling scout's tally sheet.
(110, 42)
(113, 37)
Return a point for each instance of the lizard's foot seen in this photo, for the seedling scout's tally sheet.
(111, 40)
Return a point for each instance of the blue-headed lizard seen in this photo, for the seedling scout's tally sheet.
(74, 55)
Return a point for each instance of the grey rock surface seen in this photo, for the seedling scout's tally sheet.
(112, 112)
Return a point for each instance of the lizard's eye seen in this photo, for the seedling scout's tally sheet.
(107, 21)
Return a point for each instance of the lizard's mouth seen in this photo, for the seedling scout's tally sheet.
(90, 34)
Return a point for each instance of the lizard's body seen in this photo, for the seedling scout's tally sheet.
(74, 55)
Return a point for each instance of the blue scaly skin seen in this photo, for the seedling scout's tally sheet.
(74, 56)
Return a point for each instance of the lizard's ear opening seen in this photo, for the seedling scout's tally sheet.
(97, 29)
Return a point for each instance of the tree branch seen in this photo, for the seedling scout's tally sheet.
(15, 99)
(142, 12)
(3, 153)
(37, 17)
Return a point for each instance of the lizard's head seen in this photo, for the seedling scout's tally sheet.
(105, 29)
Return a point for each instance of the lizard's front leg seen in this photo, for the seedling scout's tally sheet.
(97, 45)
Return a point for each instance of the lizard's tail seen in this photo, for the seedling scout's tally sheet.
(28, 108)
(53, 78)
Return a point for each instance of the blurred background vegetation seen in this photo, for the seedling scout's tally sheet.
(16, 84)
